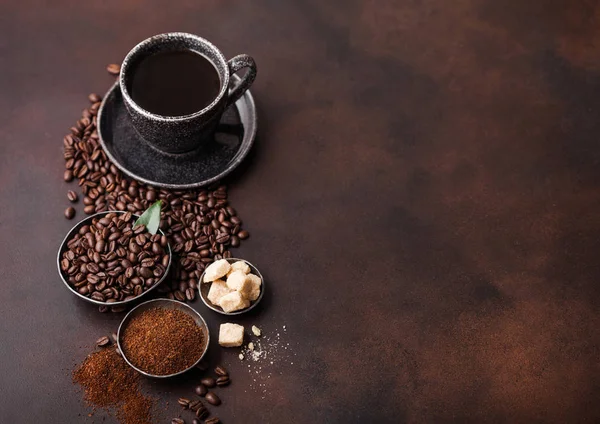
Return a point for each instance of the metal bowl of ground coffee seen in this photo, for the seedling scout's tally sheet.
(204, 288)
(166, 339)
(69, 276)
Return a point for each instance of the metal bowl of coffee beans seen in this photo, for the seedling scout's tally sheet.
(231, 286)
(105, 260)
(163, 338)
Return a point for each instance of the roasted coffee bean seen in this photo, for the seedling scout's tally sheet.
(114, 337)
(223, 380)
(213, 420)
(208, 381)
(212, 398)
(196, 404)
(159, 270)
(147, 262)
(72, 196)
(113, 69)
(202, 412)
(98, 296)
(69, 213)
(94, 98)
(177, 421)
(145, 272)
(179, 296)
(100, 245)
(196, 421)
(243, 235)
(190, 294)
(103, 309)
(185, 403)
(103, 341)
(93, 267)
(64, 264)
(201, 390)
(93, 279)
(221, 370)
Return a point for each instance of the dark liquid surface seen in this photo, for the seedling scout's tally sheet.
(174, 83)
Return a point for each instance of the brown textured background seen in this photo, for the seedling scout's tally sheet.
(423, 198)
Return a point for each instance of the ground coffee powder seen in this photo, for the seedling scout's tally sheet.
(163, 341)
(109, 383)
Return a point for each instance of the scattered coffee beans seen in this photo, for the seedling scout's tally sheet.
(208, 382)
(223, 381)
(195, 405)
(110, 260)
(177, 421)
(201, 390)
(212, 398)
(109, 383)
(184, 403)
(220, 370)
(112, 69)
(202, 412)
(195, 221)
(72, 196)
(69, 213)
(163, 341)
(103, 341)
(213, 420)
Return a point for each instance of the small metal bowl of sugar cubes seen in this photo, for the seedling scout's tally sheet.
(231, 286)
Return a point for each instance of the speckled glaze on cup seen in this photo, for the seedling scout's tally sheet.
(179, 134)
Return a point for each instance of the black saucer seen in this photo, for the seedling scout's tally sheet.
(209, 163)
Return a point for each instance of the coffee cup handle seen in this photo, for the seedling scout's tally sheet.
(235, 64)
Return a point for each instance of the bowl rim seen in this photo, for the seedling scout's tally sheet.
(182, 307)
(63, 246)
(218, 309)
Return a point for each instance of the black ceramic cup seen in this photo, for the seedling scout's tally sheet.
(180, 134)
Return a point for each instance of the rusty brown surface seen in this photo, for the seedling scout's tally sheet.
(423, 198)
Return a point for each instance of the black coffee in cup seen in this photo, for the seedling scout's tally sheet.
(176, 87)
(174, 83)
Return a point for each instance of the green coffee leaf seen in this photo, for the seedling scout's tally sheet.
(151, 218)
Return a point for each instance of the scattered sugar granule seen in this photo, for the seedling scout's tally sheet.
(241, 356)
(263, 356)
